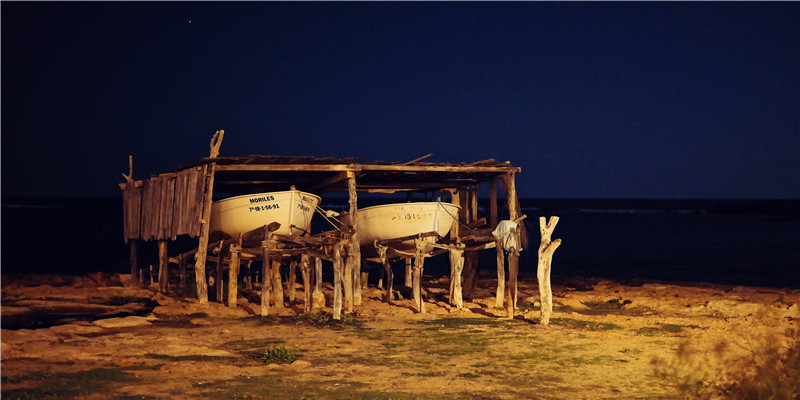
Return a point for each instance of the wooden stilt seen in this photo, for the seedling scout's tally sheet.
(456, 268)
(338, 271)
(305, 272)
(501, 275)
(319, 298)
(277, 285)
(292, 283)
(408, 278)
(233, 275)
(347, 279)
(152, 277)
(546, 250)
(163, 267)
(419, 262)
(388, 268)
(266, 273)
(353, 263)
(202, 248)
(513, 267)
(218, 283)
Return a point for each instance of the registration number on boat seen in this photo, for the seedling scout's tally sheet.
(263, 208)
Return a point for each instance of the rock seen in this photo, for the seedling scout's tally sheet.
(299, 364)
(122, 322)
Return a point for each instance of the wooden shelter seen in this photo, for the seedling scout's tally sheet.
(178, 202)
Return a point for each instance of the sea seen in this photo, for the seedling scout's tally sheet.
(730, 242)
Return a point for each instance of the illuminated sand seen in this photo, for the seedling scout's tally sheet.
(601, 344)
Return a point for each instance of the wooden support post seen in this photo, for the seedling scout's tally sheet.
(202, 248)
(277, 285)
(233, 275)
(292, 284)
(354, 250)
(248, 276)
(546, 250)
(134, 258)
(152, 278)
(501, 275)
(266, 273)
(163, 267)
(355, 247)
(305, 272)
(347, 278)
(419, 262)
(456, 267)
(388, 268)
(338, 271)
(218, 281)
(513, 214)
(408, 277)
(319, 298)
(513, 269)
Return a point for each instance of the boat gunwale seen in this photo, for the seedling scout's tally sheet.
(411, 203)
(267, 193)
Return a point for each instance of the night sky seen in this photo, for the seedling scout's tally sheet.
(591, 100)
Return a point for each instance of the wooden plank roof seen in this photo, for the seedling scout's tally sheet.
(257, 173)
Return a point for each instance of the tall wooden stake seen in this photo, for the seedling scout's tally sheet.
(353, 266)
(233, 273)
(456, 267)
(501, 275)
(419, 262)
(202, 248)
(163, 267)
(266, 273)
(305, 272)
(546, 250)
(338, 271)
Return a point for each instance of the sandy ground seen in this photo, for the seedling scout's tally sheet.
(607, 340)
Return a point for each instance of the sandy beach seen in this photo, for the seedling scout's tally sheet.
(607, 340)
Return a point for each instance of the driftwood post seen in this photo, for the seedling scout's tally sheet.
(218, 281)
(386, 266)
(456, 267)
(233, 273)
(408, 277)
(513, 268)
(546, 250)
(419, 262)
(347, 277)
(277, 285)
(501, 275)
(292, 284)
(163, 267)
(266, 273)
(134, 243)
(352, 276)
(338, 271)
(513, 214)
(305, 272)
(202, 248)
(319, 298)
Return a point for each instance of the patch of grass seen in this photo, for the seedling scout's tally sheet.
(663, 329)
(319, 319)
(279, 355)
(590, 325)
(468, 375)
(458, 323)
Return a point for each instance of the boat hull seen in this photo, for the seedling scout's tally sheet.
(391, 221)
(293, 209)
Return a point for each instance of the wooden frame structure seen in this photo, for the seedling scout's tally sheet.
(178, 202)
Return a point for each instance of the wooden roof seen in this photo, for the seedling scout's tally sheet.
(258, 173)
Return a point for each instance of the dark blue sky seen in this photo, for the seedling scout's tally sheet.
(608, 100)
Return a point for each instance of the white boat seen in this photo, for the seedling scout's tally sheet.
(392, 221)
(293, 209)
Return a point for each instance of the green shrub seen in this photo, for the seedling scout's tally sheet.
(279, 355)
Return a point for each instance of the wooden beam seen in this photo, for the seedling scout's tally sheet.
(289, 167)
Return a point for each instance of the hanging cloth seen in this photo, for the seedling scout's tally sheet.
(504, 233)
